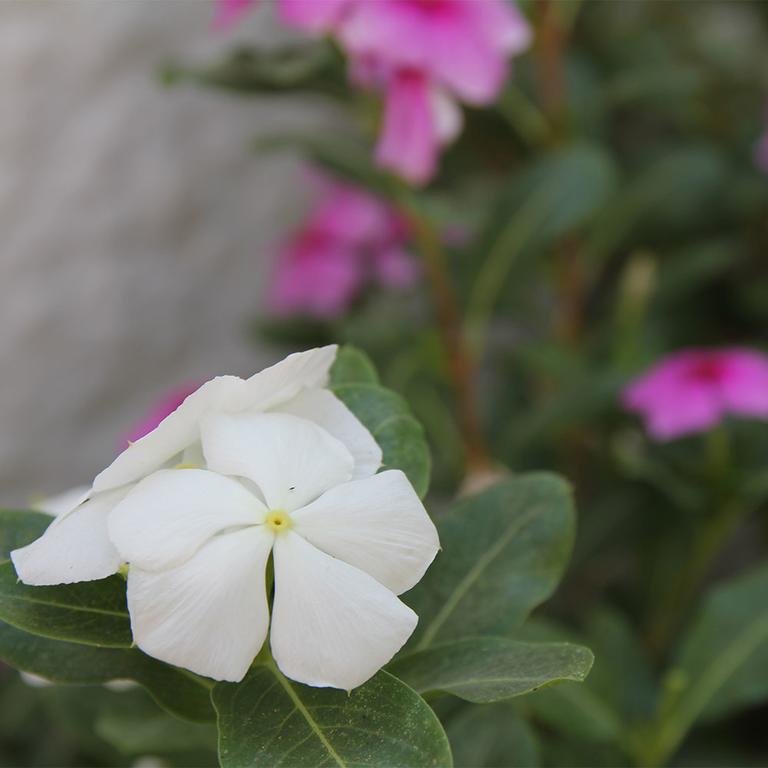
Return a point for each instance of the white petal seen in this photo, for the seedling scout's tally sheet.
(209, 615)
(284, 380)
(447, 116)
(378, 524)
(169, 515)
(173, 434)
(326, 410)
(75, 547)
(63, 502)
(292, 460)
(332, 625)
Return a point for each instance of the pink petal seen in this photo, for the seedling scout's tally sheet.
(315, 276)
(229, 12)
(395, 267)
(408, 144)
(461, 45)
(313, 15)
(744, 388)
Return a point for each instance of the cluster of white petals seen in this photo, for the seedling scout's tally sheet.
(245, 468)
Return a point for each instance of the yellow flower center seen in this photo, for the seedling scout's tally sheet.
(279, 521)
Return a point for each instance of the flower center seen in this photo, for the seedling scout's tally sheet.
(278, 520)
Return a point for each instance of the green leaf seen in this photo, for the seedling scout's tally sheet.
(352, 366)
(92, 612)
(178, 691)
(19, 528)
(558, 194)
(488, 669)
(491, 736)
(248, 70)
(504, 551)
(387, 417)
(723, 662)
(678, 185)
(268, 720)
(153, 732)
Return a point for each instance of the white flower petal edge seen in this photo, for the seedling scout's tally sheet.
(169, 515)
(377, 524)
(173, 434)
(227, 394)
(332, 624)
(210, 614)
(75, 547)
(327, 411)
(63, 502)
(292, 460)
(284, 380)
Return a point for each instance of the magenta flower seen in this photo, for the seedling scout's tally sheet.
(349, 240)
(229, 12)
(693, 390)
(165, 406)
(425, 56)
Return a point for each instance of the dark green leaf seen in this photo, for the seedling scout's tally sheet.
(180, 692)
(504, 551)
(388, 419)
(678, 185)
(92, 612)
(490, 736)
(487, 669)
(19, 528)
(723, 662)
(268, 720)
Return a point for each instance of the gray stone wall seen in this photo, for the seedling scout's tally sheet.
(135, 225)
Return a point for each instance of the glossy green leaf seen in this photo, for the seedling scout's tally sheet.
(268, 720)
(388, 419)
(723, 662)
(19, 528)
(504, 552)
(490, 736)
(488, 669)
(92, 612)
(178, 691)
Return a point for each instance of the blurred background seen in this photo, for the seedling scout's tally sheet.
(180, 198)
(132, 220)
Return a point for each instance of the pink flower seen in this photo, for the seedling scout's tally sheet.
(229, 12)
(166, 405)
(424, 55)
(693, 390)
(350, 239)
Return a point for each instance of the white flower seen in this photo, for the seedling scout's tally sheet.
(292, 476)
(198, 543)
(76, 546)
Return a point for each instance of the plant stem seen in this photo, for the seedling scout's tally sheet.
(461, 365)
(709, 539)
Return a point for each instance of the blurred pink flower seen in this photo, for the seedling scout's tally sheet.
(350, 239)
(693, 390)
(424, 55)
(229, 12)
(166, 405)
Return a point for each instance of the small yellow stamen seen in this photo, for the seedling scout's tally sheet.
(279, 521)
(187, 466)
